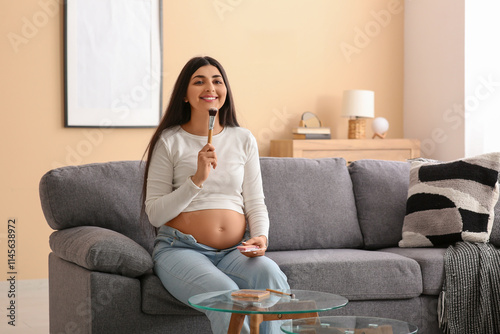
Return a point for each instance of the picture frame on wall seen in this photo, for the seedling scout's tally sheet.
(112, 63)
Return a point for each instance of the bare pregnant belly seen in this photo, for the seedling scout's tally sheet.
(217, 228)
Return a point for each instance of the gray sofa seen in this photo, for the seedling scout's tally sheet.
(334, 228)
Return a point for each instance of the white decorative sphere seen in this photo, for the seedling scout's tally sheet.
(380, 125)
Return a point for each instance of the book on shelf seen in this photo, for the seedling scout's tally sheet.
(312, 136)
(306, 130)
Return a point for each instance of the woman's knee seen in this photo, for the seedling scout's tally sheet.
(269, 273)
(266, 265)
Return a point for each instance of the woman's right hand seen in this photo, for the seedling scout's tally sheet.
(206, 159)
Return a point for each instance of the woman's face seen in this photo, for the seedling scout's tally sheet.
(206, 90)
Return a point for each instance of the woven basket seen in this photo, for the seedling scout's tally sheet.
(357, 128)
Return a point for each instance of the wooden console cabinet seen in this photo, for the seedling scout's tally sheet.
(349, 149)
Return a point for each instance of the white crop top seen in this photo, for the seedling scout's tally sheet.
(235, 184)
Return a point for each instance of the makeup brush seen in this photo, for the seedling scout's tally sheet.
(281, 293)
(212, 112)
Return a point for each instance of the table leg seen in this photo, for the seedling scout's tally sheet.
(236, 323)
(255, 321)
(237, 320)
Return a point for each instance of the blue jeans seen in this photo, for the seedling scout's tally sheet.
(187, 268)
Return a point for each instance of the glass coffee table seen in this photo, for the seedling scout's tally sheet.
(347, 325)
(278, 306)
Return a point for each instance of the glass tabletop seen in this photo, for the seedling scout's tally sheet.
(302, 301)
(347, 325)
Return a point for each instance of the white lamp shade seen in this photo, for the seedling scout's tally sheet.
(358, 103)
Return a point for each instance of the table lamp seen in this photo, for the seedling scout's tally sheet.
(380, 125)
(357, 105)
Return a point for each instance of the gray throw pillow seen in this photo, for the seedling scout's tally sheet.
(100, 249)
(452, 201)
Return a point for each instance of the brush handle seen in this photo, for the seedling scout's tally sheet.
(278, 292)
(282, 293)
(210, 131)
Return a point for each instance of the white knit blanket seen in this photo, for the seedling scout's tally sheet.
(470, 300)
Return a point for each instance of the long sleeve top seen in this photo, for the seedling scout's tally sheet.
(236, 183)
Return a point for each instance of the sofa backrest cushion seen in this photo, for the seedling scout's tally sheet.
(100, 194)
(311, 204)
(495, 230)
(380, 189)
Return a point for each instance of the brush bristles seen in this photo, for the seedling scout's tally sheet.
(212, 111)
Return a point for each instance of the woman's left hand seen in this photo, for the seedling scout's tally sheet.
(260, 241)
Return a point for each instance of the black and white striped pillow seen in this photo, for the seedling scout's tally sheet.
(452, 201)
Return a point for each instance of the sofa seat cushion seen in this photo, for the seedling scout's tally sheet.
(157, 300)
(99, 249)
(431, 261)
(310, 203)
(353, 273)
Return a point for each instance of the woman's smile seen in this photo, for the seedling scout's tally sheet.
(209, 98)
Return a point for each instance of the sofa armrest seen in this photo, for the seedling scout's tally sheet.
(99, 249)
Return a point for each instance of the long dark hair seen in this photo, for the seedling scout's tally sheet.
(178, 112)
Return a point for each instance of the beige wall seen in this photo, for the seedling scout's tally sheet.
(282, 57)
(435, 77)
(451, 77)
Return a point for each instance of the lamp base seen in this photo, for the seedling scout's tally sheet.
(357, 128)
(379, 135)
